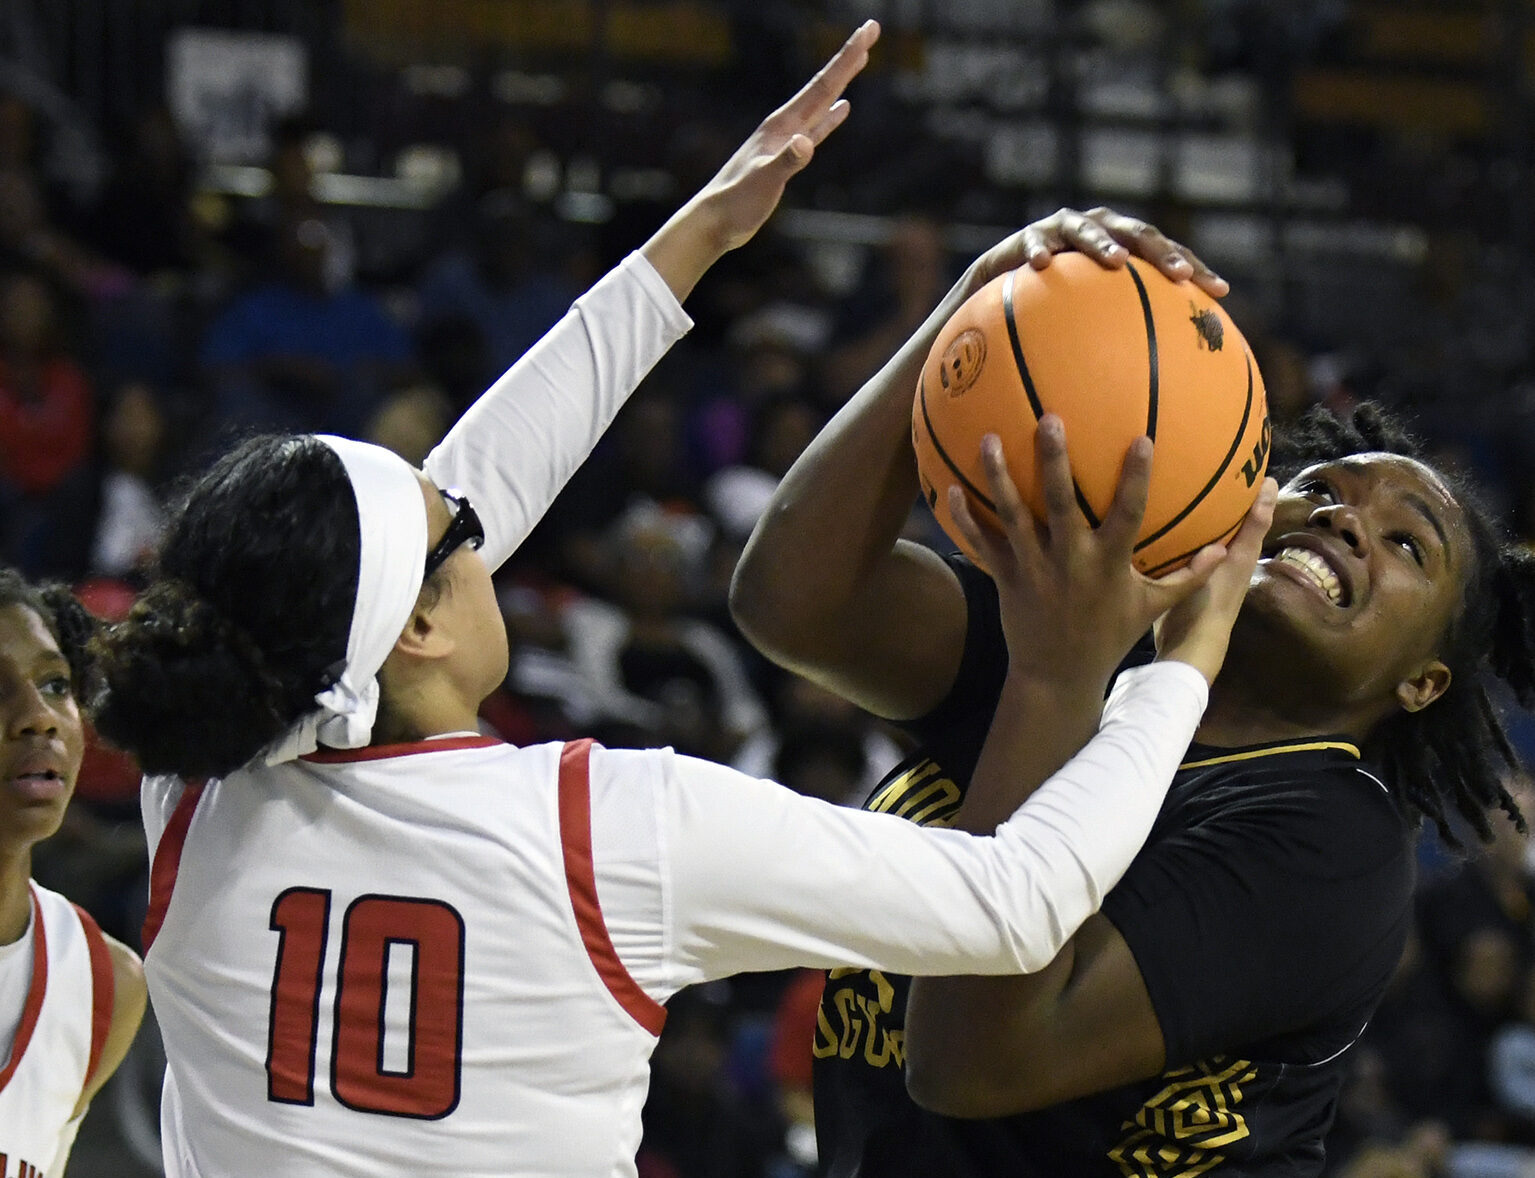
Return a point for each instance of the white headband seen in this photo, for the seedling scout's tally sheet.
(392, 519)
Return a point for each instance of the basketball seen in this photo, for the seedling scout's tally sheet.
(1116, 354)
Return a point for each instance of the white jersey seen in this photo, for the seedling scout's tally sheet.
(449, 958)
(58, 1040)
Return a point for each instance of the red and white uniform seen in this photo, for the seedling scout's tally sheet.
(56, 990)
(449, 958)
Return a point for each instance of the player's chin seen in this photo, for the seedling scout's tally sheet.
(1288, 613)
(31, 821)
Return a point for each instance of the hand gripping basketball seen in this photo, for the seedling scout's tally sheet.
(1072, 601)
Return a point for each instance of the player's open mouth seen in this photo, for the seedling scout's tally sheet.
(1313, 567)
(39, 785)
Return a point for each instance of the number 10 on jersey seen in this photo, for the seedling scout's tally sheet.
(420, 1081)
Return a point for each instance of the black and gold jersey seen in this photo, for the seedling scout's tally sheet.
(1266, 914)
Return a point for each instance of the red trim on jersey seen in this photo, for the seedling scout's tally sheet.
(103, 989)
(377, 752)
(581, 878)
(162, 873)
(34, 1004)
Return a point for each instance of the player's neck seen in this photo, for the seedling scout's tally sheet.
(1242, 723)
(1236, 719)
(418, 715)
(1258, 699)
(15, 896)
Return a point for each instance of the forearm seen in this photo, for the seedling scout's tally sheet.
(1038, 727)
(875, 891)
(691, 241)
(518, 445)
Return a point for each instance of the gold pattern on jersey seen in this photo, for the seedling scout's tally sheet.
(858, 1018)
(922, 794)
(1180, 1131)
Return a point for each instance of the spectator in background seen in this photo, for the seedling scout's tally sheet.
(143, 217)
(298, 353)
(674, 678)
(643, 458)
(696, 1124)
(807, 715)
(769, 358)
(781, 428)
(47, 418)
(498, 285)
(906, 280)
(255, 234)
(410, 422)
(1478, 934)
(130, 517)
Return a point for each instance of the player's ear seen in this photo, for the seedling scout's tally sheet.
(424, 635)
(1430, 681)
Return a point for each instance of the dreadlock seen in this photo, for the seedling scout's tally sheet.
(1455, 754)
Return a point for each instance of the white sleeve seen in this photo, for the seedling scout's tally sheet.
(760, 878)
(517, 446)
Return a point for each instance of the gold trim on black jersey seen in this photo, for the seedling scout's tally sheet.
(1273, 751)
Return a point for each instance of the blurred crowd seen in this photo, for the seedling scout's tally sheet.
(143, 329)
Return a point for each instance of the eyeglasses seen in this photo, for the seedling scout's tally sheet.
(464, 528)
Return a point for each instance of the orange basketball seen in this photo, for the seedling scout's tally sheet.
(1116, 354)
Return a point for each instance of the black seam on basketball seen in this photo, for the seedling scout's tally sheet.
(1012, 338)
(1153, 387)
(943, 454)
(1172, 560)
(1220, 472)
(1028, 388)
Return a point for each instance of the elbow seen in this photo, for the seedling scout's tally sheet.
(763, 608)
(937, 1086)
(970, 1062)
(965, 1089)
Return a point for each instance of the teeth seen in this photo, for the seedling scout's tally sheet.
(1314, 567)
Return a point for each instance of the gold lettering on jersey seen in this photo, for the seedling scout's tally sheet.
(855, 1006)
(1180, 1131)
(922, 795)
(850, 1018)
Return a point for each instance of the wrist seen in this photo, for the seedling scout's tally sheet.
(1205, 659)
(691, 241)
(1058, 693)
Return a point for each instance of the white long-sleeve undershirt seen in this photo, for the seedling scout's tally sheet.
(703, 872)
(516, 447)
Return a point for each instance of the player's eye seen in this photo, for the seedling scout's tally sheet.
(1316, 489)
(57, 686)
(1409, 544)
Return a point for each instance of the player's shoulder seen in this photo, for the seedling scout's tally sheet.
(1319, 797)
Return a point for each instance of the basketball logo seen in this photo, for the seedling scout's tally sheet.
(1208, 324)
(963, 360)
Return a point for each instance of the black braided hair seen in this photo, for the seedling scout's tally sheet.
(246, 617)
(67, 620)
(1455, 754)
